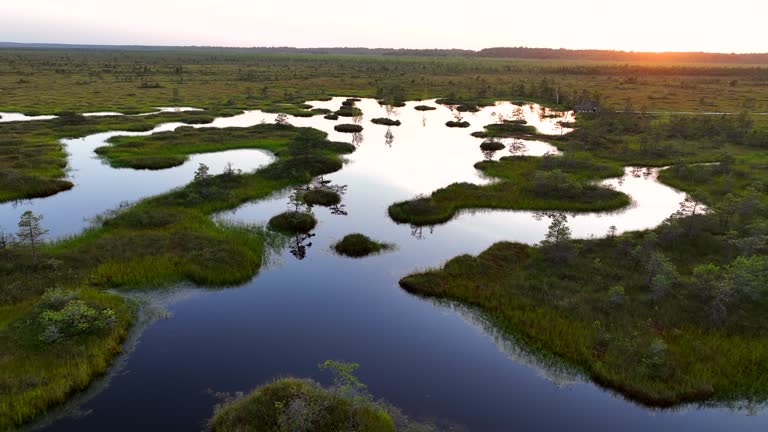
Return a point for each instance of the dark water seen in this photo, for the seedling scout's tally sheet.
(432, 360)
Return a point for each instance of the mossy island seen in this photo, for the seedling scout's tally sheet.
(424, 108)
(359, 245)
(293, 222)
(457, 124)
(386, 121)
(490, 145)
(348, 128)
(321, 196)
(267, 409)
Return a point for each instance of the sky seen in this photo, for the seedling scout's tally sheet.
(648, 25)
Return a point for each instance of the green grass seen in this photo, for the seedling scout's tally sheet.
(359, 245)
(518, 189)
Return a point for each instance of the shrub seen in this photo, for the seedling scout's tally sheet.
(74, 319)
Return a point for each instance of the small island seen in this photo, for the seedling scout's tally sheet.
(359, 245)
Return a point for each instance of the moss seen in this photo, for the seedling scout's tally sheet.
(424, 108)
(359, 245)
(293, 222)
(348, 128)
(386, 121)
(321, 196)
(331, 117)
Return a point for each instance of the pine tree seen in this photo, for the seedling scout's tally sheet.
(30, 231)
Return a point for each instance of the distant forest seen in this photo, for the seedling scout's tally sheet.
(500, 52)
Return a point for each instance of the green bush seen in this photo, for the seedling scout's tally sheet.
(74, 318)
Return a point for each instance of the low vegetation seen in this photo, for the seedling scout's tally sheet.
(424, 108)
(530, 183)
(359, 245)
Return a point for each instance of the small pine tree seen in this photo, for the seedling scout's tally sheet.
(30, 231)
(557, 243)
(201, 178)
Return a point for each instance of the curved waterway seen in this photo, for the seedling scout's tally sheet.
(435, 360)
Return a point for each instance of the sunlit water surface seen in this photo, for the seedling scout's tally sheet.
(435, 360)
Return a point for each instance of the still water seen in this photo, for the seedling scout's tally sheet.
(434, 360)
